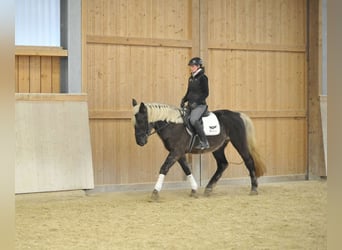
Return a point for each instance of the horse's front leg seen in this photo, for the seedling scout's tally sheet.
(184, 164)
(164, 169)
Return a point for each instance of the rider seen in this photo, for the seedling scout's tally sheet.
(196, 95)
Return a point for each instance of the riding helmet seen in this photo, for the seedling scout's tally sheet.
(195, 61)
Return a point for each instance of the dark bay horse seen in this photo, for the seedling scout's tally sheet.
(168, 123)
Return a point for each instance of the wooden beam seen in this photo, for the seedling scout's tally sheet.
(127, 114)
(275, 113)
(256, 46)
(110, 114)
(40, 51)
(152, 42)
(50, 97)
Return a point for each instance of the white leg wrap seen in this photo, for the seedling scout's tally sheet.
(193, 183)
(159, 183)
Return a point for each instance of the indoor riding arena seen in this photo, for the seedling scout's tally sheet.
(81, 179)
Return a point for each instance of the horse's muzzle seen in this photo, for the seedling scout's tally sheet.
(141, 141)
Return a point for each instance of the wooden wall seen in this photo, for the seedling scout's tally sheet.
(255, 56)
(37, 69)
(133, 49)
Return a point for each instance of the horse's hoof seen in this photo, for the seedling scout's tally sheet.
(208, 191)
(193, 194)
(253, 192)
(154, 196)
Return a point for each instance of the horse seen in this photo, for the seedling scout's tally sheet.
(168, 122)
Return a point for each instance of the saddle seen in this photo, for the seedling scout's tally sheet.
(211, 126)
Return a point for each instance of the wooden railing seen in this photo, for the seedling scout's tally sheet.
(37, 69)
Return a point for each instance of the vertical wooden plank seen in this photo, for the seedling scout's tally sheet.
(90, 76)
(203, 30)
(34, 74)
(155, 17)
(251, 21)
(259, 20)
(241, 23)
(84, 31)
(122, 16)
(137, 21)
(320, 51)
(316, 152)
(109, 157)
(232, 32)
(46, 74)
(96, 130)
(195, 28)
(113, 86)
(16, 72)
(55, 75)
(200, 40)
(24, 74)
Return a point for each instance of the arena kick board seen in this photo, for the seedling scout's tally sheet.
(53, 150)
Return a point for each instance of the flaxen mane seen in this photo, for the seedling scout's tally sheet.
(161, 112)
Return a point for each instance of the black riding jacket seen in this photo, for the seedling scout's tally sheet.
(198, 89)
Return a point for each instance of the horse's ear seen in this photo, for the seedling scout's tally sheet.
(142, 108)
(134, 102)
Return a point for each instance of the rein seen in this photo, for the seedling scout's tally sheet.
(157, 130)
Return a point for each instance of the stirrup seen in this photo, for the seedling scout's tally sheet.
(203, 145)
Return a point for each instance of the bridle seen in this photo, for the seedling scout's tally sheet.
(149, 130)
(149, 133)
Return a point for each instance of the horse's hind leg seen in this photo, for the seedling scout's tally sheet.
(249, 162)
(222, 164)
(182, 161)
(242, 148)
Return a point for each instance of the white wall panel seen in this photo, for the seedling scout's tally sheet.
(53, 150)
(37, 22)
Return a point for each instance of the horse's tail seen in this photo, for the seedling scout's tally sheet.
(260, 167)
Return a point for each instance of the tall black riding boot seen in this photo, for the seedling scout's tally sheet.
(204, 144)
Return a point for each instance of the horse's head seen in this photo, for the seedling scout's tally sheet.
(141, 124)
